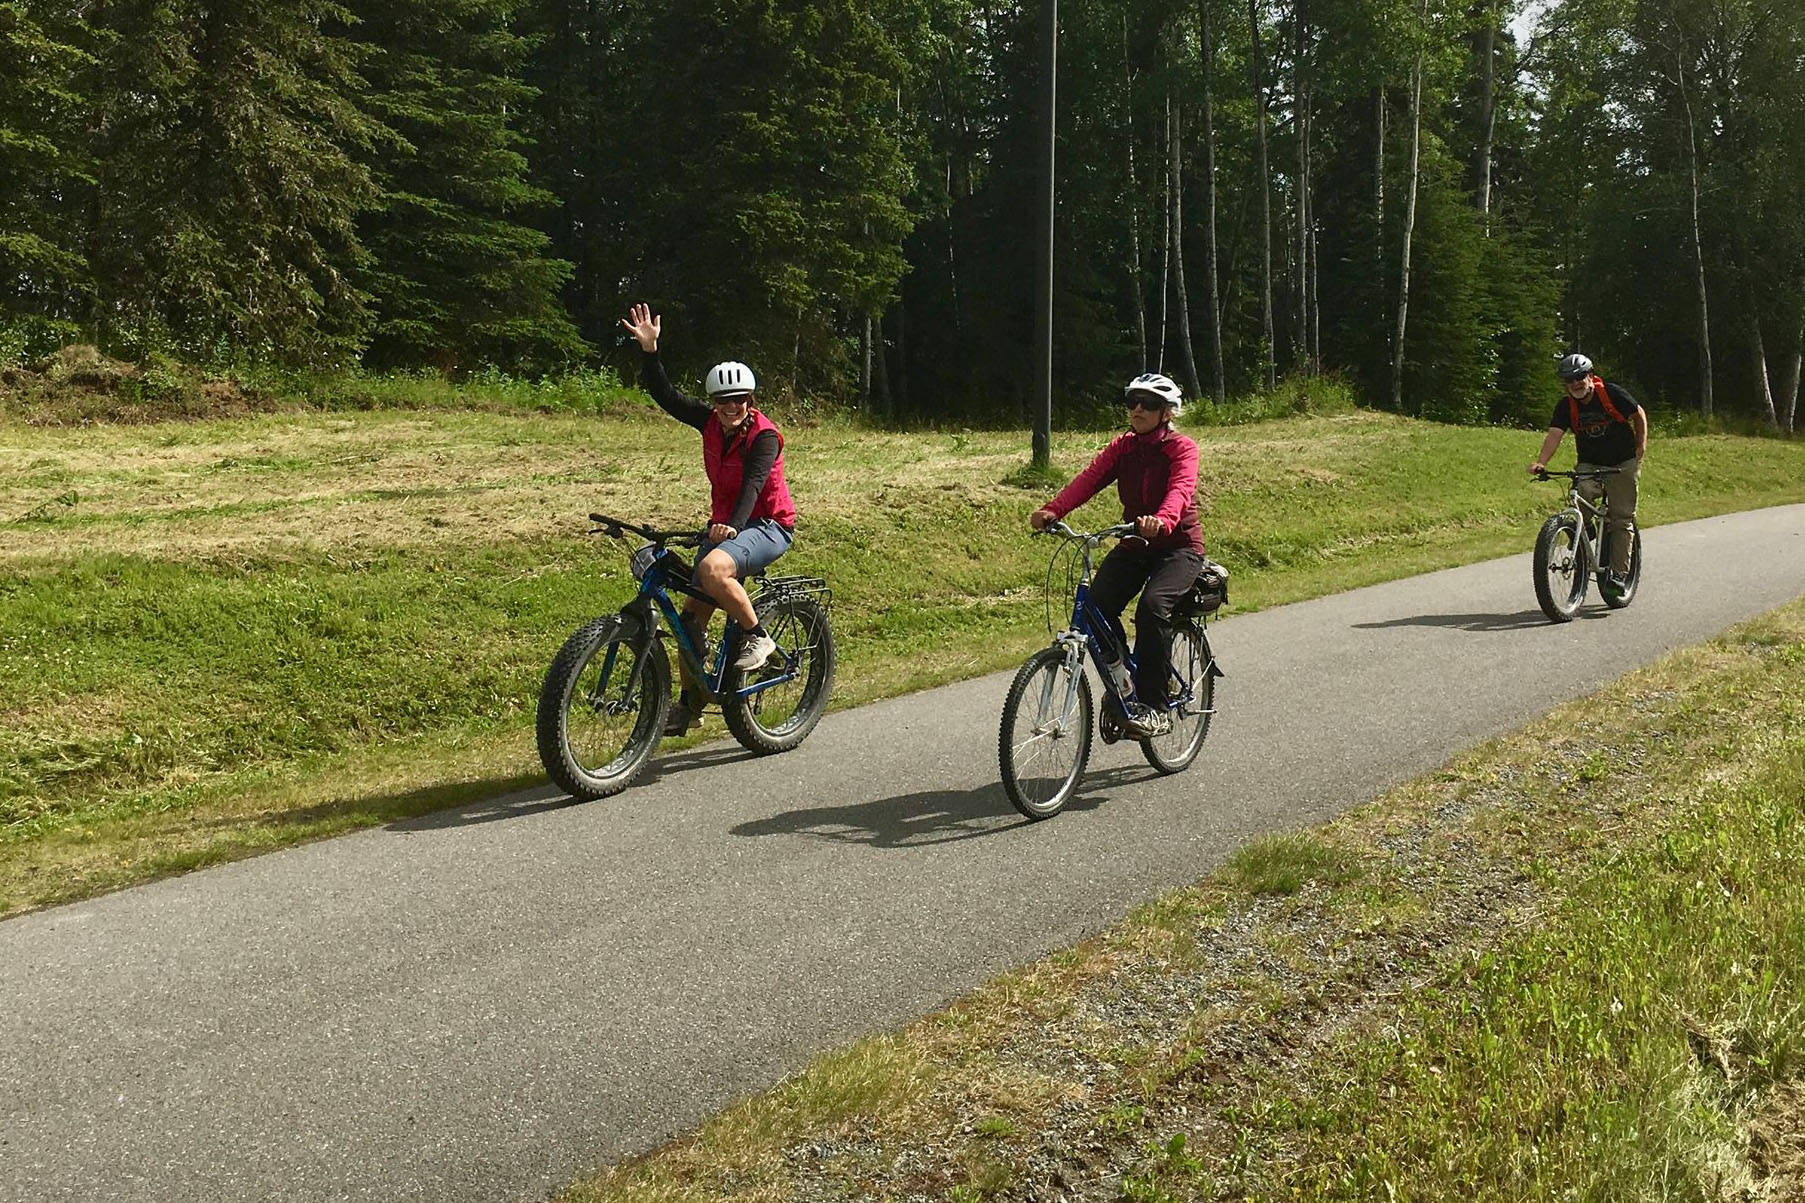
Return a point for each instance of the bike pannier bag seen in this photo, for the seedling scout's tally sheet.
(1209, 593)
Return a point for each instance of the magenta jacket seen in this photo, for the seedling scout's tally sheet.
(1154, 474)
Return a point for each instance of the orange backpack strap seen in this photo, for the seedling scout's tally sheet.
(1604, 398)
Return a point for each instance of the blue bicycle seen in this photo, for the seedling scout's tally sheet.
(1045, 738)
(603, 705)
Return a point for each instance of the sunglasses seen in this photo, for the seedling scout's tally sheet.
(1150, 404)
(728, 399)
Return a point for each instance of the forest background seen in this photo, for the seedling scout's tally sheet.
(1427, 198)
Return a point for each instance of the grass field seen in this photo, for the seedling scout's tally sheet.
(1569, 965)
(224, 636)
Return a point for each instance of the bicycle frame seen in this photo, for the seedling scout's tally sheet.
(1089, 625)
(662, 574)
(1589, 519)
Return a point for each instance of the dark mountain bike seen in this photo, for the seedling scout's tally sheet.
(1044, 741)
(603, 705)
(1574, 546)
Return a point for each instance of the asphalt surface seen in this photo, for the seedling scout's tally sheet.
(483, 1003)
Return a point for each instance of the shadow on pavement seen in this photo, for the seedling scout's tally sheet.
(546, 797)
(1523, 620)
(930, 817)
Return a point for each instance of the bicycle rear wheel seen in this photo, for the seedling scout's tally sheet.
(599, 720)
(1616, 599)
(1044, 740)
(777, 718)
(1174, 751)
(1560, 568)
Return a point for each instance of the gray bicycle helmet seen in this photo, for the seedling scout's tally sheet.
(1574, 367)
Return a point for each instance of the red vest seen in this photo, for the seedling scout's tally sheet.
(726, 465)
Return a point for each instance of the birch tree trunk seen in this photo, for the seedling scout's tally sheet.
(1698, 248)
(1762, 380)
(1301, 128)
(1416, 138)
(1792, 383)
(1175, 171)
(865, 366)
(1219, 383)
(1488, 111)
(1165, 258)
(1379, 177)
(1259, 99)
(1134, 202)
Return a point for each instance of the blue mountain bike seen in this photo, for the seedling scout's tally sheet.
(1044, 741)
(604, 702)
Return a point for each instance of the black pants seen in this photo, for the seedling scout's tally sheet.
(1161, 578)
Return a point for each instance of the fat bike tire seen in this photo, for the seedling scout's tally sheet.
(778, 718)
(1560, 568)
(597, 725)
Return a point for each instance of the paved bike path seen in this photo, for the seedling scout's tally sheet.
(482, 1003)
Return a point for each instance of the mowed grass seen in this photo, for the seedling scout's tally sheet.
(219, 637)
(1569, 965)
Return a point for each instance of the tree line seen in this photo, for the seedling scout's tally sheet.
(1429, 197)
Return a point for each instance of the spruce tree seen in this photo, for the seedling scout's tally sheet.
(43, 181)
(458, 276)
(231, 181)
(773, 176)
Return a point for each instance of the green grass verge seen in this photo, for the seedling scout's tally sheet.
(1570, 965)
(193, 613)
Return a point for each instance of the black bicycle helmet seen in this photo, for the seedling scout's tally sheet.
(1574, 367)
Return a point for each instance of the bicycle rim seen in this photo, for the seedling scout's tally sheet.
(1045, 734)
(1177, 748)
(798, 632)
(1560, 565)
(609, 714)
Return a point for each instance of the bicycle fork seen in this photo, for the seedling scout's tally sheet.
(1048, 722)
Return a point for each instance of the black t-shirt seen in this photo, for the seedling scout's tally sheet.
(1602, 439)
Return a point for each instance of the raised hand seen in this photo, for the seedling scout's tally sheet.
(643, 326)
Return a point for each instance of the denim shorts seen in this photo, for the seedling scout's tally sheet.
(754, 549)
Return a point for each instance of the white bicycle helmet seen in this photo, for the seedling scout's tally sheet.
(1163, 387)
(730, 379)
(1574, 367)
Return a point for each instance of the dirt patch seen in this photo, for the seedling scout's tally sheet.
(80, 386)
(1777, 1144)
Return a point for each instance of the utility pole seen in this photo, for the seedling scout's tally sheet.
(1043, 277)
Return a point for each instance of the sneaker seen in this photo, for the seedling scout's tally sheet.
(757, 649)
(1146, 723)
(681, 720)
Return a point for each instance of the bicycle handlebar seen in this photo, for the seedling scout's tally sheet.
(1058, 527)
(614, 526)
(1593, 474)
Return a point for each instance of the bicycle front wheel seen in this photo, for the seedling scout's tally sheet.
(1560, 568)
(1174, 751)
(801, 674)
(1044, 741)
(602, 707)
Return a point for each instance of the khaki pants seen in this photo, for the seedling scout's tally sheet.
(1620, 491)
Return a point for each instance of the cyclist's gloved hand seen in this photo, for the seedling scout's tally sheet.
(1149, 527)
(1039, 518)
(1536, 469)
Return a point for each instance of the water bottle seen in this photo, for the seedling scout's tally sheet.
(1116, 668)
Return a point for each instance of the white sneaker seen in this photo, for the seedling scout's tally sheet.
(1144, 722)
(754, 652)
